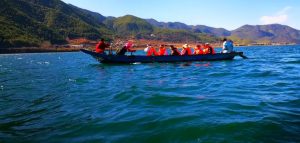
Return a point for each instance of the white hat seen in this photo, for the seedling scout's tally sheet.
(185, 46)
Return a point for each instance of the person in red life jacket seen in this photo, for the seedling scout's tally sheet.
(162, 51)
(208, 49)
(186, 50)
(100, 47)
(198, 50)
(174, 51)
(126, 48)
(150, 50)
(129, 45)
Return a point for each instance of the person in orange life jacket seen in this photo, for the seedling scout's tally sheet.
(198, 50)
(150, 50)
(208, 49)
(186, 50)
(174, 51)
(162, 51)
(100, 47)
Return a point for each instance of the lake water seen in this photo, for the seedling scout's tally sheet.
(70, 97)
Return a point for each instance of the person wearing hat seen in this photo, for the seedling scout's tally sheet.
(162, 50)
(174, 51)
(186, 50)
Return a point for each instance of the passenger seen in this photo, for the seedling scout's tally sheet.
(186, 50)
(129, 45)
(100, 47)
(227, 46)
(208, 49)
(126, 48)
(198, 50)
(162, 51)
(151, 51)
(174, 51)
(230, 46)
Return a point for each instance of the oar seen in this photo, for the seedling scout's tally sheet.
(243, 56)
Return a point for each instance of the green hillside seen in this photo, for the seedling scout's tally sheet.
(26, 23)
(134, 27)
(268, 33)
(32, 22)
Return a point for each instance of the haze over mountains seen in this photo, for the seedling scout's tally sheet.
(34, 22)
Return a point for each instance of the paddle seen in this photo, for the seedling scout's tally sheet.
(243, 56)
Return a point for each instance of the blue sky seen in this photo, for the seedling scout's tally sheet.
(229, 14)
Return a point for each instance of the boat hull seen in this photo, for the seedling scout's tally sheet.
(104, 58)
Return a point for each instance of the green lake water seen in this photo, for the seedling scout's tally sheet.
(70, 97)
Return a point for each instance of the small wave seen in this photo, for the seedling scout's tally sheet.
(43, 63)
(72, 80)
(223, 74)
(262, 74)
(293, 62)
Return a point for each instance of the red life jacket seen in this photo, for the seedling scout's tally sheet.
(186, 51)
(208, 50)
(162, 52)
(100, 47)
(198, 51)
(151, 52)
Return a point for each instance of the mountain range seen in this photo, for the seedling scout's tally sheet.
(26, 23)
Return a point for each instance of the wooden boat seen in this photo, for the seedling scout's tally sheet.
(104, 58)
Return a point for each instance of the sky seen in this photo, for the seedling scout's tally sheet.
(228, 14)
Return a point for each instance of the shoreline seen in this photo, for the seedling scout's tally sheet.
(36, 50)
(63, 49)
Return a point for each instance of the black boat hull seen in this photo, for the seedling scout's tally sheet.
(104, 58)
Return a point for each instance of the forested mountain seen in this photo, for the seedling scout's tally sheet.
(169, 25)
(271, 33)
(196, 29)
(32, 22)
(134, 27)
(249, 33)
(26, 23)
(220, 32)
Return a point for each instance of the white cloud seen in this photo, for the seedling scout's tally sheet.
(284, 10)
(274, 19)
(280, 17)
